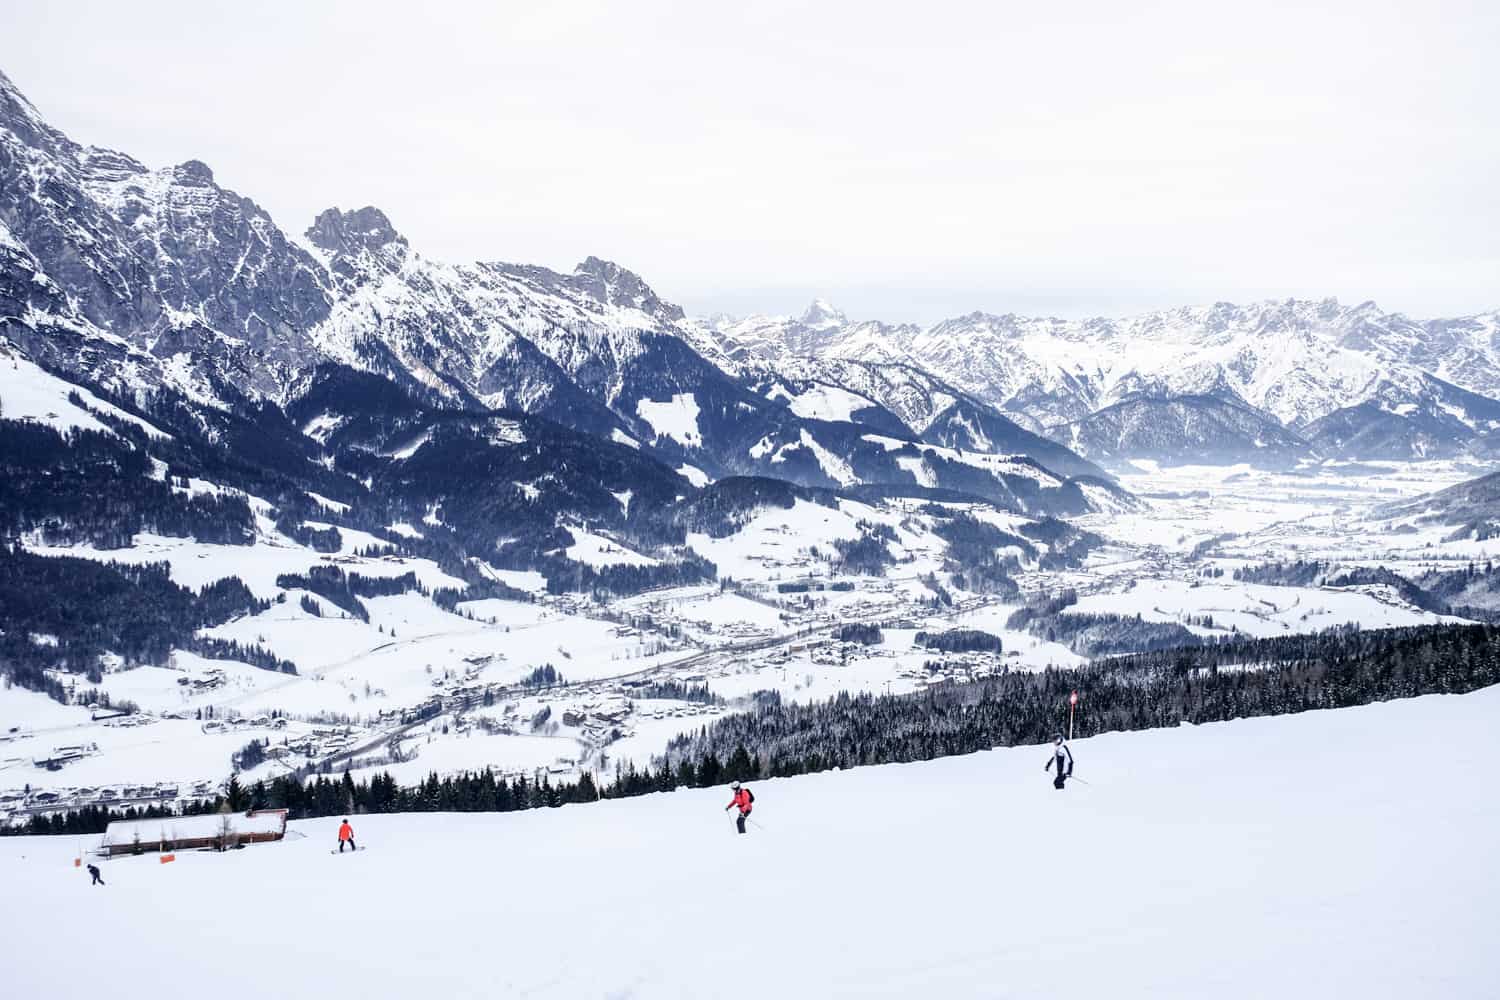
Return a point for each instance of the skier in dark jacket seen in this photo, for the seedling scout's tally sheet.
(94, 873)
(1063, 758)
(744, 800)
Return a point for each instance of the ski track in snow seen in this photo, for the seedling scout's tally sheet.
(1321, 854)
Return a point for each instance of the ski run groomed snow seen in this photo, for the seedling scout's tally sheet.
(1329, 854)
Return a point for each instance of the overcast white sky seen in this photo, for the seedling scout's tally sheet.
(907, 161)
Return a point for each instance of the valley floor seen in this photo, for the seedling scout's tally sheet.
(1343, 853)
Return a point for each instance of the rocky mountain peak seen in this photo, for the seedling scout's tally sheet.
(821, 314)
(166, 262)
(193, 173)
(614, 285)
(346, 233)
(605, 270)
(360, 244)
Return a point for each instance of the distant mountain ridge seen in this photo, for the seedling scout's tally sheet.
(1431, 384)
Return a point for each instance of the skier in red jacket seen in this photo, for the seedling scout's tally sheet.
(744, 800)
(346, 833)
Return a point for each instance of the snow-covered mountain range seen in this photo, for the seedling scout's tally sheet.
(1333, 380)
(149, 281)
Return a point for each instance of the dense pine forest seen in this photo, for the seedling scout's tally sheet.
(328, 796)
(67, 490)
(1046, 616)
(1471, 592)
(1334, 669)
(86, 609)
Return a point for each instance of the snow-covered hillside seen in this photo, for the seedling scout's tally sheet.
(29, 393)
(903, 397)
(1333, 853)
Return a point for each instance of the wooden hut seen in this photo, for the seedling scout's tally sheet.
(215, 831)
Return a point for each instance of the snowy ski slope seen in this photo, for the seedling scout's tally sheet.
(1329, 854)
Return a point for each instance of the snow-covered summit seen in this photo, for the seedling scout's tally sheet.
(822, 330)
(820, 315)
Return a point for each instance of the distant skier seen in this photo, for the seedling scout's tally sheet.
(745, 800)
(1063, 758)
(346, 835)
(94, 873)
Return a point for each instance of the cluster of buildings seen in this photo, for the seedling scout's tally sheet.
(597, 715)
(16, 804)
(209, 680)
(232, 725)
(941, 668)
(321, 741)
(59, 757)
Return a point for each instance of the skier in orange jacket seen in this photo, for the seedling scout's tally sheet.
(744, 800)
(346, 833)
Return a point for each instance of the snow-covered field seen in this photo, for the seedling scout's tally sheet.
(676, 418)
(1254, 609)
(351, 667)
(596, 550)
(776, 543)
(822, 402)
(33, 394)
(175, 751)
(196, 564)
(1329, 854)
(1321, 512)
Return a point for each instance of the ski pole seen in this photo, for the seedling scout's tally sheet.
(1076, 778)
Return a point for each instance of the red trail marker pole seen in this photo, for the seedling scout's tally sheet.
(1072, 703)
